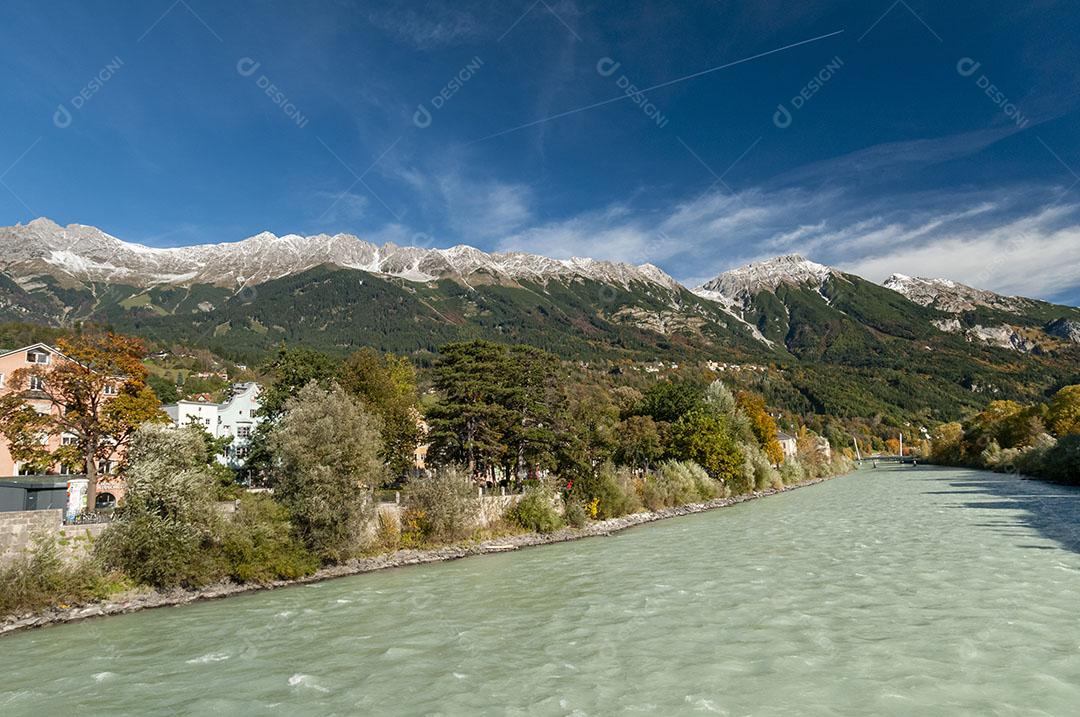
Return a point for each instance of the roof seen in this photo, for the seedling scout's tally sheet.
(781, 436)
(38, 345)
(238, 390)
(36, 482)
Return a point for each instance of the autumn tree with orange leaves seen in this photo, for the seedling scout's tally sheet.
(97, 396)
(762, 424)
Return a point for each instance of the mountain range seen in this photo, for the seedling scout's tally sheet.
(841, 344)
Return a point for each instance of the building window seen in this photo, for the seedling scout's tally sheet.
(1, 380)
(109, 390)
(241, 451)
(37, 356)
(243, 431)
(37, 383)
(207, 421)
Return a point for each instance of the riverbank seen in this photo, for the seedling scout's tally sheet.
(149, 599)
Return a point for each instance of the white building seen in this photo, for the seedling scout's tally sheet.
(789, 444)
(236, 418)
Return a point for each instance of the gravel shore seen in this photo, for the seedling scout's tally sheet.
(145, 600)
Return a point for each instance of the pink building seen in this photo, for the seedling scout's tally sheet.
(110, 489)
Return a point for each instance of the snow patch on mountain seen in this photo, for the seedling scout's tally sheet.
(739, 286)
(85, 253)
(950, 296)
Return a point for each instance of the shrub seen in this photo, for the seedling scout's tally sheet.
(1062, 462)
(163, 535)
(792, 472)
(387, 531)
(535, 512)
(706, 438)
(41, 578)
(442, 506)
(608, 493)
(574, 514)
(758, 471)
(677, 483)
(260, 545)
(1031, 460)
(327, 449)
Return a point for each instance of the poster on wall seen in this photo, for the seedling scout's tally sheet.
(76, 496)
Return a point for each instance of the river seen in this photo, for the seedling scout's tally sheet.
(890, 591)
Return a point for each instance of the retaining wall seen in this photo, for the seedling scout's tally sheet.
(18, 529)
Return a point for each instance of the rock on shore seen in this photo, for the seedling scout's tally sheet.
(145, 600)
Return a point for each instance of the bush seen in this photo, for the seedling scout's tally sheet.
(260, 545)
(164, 533)
(792, 472)
(327, 461)
(535, 512)
(574, 514)
(41, 578)
(1032, 460)
(758, 471)
(441, 507)
(1062, 462)
(706, 438)
(387, 531)
(609, 493)
(677, 483)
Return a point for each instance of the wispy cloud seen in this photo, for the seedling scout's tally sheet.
(1021, 240)
(434, 25)
(339, 208)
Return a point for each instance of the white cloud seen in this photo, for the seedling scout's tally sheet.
(338, 208)
(1017, 241)
(437, 24)
(1029, 256)
(484, 209)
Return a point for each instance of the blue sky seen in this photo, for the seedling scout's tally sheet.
(922, 137)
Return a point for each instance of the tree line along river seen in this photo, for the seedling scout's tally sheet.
(891, 591)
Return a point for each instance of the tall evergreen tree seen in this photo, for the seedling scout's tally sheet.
(385, 385)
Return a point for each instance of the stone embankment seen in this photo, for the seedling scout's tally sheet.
(145, 600)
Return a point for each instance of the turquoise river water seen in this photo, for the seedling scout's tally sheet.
(891, 591)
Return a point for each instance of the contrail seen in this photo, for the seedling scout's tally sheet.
(655, 87)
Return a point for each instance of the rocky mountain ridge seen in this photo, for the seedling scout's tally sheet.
(80, 254)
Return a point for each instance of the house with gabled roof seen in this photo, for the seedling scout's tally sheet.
(110, 489)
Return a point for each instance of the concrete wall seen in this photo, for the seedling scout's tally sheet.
(492, 508)
(19, 528)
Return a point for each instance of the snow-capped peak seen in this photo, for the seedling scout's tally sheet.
(739, 285)
(950, 296)
(85, 253)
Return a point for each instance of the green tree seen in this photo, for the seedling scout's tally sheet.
(705, 438)
(288, 371)
(639, 442)
(163, 388)
(386, 385)
(326, 450)
(499, 408)
(668, 401)
(469, 423)
(533, 400)
(587, 428)
(164, 532)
